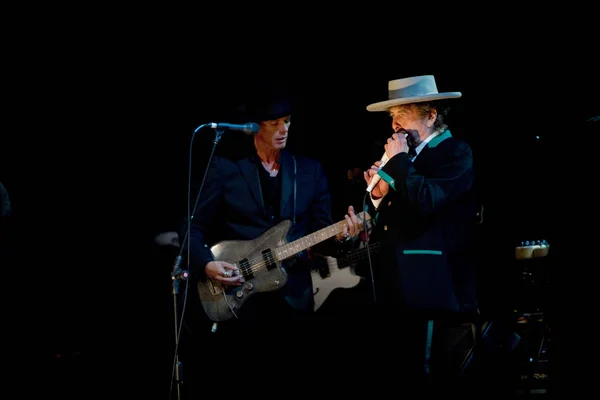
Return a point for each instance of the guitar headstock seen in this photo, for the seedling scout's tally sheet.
(532, 249)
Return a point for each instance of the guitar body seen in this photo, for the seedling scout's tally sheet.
(260, 262)
(262, 272)
(535, 249)
(324, 282)
(339, 273)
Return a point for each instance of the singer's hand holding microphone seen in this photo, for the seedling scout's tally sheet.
(377, 189)
(395, 144)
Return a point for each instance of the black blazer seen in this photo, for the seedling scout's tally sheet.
(425, 224)
(231, 207)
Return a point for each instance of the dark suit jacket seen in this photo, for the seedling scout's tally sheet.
(231, 207)
(425, 225)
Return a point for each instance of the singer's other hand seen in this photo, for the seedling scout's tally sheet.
(382, 187)
(396, 144)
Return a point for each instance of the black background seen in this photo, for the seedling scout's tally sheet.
(95, 155)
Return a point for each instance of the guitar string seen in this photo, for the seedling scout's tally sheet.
(258, 263)
(359, 253)
(271, 259)
(356, 255)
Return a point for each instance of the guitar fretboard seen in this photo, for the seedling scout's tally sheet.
(358, 254)
(290, 249)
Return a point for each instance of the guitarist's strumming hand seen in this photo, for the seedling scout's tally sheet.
(224, 273)
(352, 228)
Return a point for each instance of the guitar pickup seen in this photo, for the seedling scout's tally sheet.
(324, 271)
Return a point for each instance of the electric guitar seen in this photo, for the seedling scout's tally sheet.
(338, 273)
(260, 262)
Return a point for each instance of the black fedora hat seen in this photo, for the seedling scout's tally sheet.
(264, 99)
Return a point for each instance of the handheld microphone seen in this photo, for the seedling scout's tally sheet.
(250, 128)
(377, 177)
(383, 160)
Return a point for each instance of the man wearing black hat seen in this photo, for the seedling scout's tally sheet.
(261, 210)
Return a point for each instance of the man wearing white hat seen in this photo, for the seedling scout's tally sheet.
(424, 203)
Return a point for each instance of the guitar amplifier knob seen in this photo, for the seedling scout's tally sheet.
(248, 286)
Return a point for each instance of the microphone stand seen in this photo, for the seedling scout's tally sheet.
(178, 274)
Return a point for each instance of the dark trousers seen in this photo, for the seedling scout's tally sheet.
(373, 350)
(406, 353)
(270, 346)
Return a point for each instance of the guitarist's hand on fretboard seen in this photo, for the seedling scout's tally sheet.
(351, 228)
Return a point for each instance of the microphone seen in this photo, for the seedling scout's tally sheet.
(377, 177)
(383, 160)
(250, 128)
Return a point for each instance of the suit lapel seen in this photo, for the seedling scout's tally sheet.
(287, 181)
(250, 174)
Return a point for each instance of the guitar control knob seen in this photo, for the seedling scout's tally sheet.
(240, 294)
(248, 286)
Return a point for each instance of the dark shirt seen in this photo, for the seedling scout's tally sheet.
(271, 191)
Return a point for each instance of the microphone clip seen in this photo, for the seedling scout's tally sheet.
(178, 273)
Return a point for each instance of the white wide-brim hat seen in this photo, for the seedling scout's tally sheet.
(415, 89)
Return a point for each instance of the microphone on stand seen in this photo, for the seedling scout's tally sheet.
(250, 128)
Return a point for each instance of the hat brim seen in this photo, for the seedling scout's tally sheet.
(386, 105)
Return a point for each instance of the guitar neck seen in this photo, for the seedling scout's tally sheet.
(295, 247)
(357, 255)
